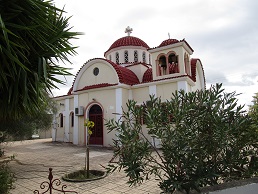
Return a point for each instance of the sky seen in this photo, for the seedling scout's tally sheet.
(222, 33)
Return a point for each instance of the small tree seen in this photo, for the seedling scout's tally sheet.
(23, 127)
(89, 125)
(205, 138)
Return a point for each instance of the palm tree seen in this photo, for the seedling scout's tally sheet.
(34, 38)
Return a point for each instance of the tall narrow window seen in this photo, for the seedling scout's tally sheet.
(144, 57)
(135, 54)
(162, 66)
(126, 56)
(110, 58)
(149, 59)
(61, 117)
(72, 119)
(117, 57)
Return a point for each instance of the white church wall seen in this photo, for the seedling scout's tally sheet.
(141, 95)
(66, 120)
(165, 90)
(76, 122)
(71, 104)
(88, 78)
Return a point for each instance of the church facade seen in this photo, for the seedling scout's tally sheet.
(130, 69)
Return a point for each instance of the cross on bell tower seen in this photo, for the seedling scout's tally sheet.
(128, 30)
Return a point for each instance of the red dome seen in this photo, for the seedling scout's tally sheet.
(147, 76)
(168, 42)
(128, 41)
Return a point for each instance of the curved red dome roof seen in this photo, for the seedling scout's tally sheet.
(128, 41)
(168, 42)
(147, 76)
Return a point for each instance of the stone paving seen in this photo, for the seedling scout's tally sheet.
(33, 158)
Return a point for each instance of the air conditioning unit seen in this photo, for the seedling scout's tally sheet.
(79, 111)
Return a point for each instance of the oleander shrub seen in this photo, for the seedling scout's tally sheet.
(6, 178)
(205, 137)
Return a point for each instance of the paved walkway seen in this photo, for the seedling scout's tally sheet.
(33, 158)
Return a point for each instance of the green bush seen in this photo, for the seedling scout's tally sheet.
(205, 137)
(6, 178)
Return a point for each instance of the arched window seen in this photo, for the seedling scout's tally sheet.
(126, 56)
(61, 120)
(173, 63)
(72, 119)
(135, 54)
(117, 57)
(163, 64)
(143, 57)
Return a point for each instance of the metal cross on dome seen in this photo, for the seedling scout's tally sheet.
(128, 30)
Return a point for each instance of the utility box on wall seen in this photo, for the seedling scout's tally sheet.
(79, 111)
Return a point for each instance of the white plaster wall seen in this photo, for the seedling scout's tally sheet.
(67, 120)
(140, 95)
(107, 74)
(153, 90)
(165, 90)
(76, 122)
(182, 85)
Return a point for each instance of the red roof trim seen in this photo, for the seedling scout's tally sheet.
(102, 85)
(193, 69)
(70, 91)
(171, 41)
(147, 77)
(137, 63)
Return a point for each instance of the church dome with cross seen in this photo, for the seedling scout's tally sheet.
(128, 41)
(128, 49)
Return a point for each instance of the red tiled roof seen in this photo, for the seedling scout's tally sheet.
(168, 42)
(125, 75)
(102, 85)
(70, 91)
(147, 76)
(171, 41)
(193, 69)
(128, 41)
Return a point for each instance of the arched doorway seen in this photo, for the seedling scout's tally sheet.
(95, 115)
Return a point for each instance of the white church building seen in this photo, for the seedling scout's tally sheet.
(130, 69)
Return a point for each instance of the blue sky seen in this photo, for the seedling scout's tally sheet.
(223, 34)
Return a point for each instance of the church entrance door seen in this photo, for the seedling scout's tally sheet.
(96, 115)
